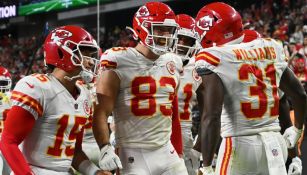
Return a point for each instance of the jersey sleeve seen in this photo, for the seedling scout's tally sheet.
(178, 63)
(280, 62)
(207, 60)
(108, 61)
(28, 95)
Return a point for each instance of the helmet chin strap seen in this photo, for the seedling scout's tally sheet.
(135, 35)
(157, 52)
(87, 77)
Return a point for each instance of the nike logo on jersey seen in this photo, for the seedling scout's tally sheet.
(172, 152)
(30, 85)
(104, 155)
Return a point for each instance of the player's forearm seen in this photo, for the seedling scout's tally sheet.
(79, 156)
(294, 89)
(100, 127)
(13, 156)
(300, 110)
(17, 126)
(197, 145)
(81, 163)
(210, 134)
(284, 114)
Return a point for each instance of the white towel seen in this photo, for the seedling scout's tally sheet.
(274, 154)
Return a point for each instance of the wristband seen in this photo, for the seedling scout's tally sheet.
(87, 167)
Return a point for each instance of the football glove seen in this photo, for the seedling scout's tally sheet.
(295, 167)
(207, 170)
(108, 160)
(291, 136)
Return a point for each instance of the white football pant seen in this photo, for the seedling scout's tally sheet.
(160, 161)
(246, 155)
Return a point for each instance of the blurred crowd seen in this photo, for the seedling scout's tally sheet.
(285, 20)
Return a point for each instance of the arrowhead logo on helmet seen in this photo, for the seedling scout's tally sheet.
(143, 11)
(60, 34)
(218, 23)
(205, 22)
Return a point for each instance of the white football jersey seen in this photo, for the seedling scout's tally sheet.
(89, 144)
(5, 105)
(189, 82)
(59, 118)
(251, 74)
(143, 108)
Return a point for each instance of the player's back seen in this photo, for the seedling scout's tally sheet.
(142, 111)
(250, 73)
(59, 118)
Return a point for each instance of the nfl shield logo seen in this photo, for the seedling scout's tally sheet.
(274, 152)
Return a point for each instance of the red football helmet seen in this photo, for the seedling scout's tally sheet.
(187, 37)
(155, 16)
(250, 35)
(5, 80)
(218, 23)
(62, 48)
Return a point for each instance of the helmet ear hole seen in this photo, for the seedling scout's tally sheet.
(138, 30)
(208, 42)
(60, 53)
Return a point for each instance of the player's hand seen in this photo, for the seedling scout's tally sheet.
(101, 172)
(295, 167)
(207, 170)
(291, 136)
(108, 160)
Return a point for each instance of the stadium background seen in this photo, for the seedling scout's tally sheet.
(22, 36)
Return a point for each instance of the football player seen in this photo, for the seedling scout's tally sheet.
(139, 85)
(186, 48)
(49, 110)
(5, 105)
(295, 167)
(241, 96)
(89, 144)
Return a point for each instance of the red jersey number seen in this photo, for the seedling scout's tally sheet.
(144, 89)
(259, 90)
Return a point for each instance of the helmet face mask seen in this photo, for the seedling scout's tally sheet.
(187, 49)
(5, 84)
(82, 52)
(5, 80)
(63, 49)
(161, 37)
(186, 44)
(154, 24)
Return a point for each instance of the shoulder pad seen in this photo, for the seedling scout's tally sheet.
(208, 57)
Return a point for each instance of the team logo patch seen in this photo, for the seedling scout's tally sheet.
(205, 22)
(171, 67)
(143, 11)
(86, 107)
(195, 75)
(60, 34)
